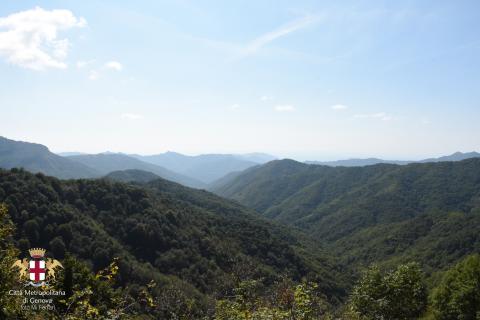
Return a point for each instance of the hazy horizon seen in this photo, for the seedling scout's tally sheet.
(298, 158)
(304, 80)
(294, 157)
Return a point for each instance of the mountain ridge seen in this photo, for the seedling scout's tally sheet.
(108, 162)
(38, 158)
(360, 162)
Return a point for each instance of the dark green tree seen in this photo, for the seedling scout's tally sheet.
(457, 297)
(58, 247)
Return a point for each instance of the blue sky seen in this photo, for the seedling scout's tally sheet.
(301, 79)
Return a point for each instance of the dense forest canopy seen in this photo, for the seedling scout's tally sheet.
(163, 231)
(383, 213)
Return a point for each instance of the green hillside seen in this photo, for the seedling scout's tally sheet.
(429, 211)
(178, 236)
(132, 175)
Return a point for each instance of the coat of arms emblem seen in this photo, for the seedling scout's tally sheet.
(37, 271)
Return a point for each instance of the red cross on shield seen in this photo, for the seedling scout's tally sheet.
(37, 270)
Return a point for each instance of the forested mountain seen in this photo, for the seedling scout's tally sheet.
(37, 158)
(108, 162)
(177, 236)
(457, 156)
(429, 212)
(132, 175)
(207, 167)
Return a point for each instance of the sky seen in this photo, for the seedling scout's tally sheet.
(309, 80)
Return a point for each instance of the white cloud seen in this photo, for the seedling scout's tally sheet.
(93, 75)
(114, 65)
(339, 107)
(131, 116)
(380, 115)
(266, 98)
(29, 39)
(234, 106)
(284, 108)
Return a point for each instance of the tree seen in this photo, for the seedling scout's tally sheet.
(458, 294)
(58, 247)
(9, 305)
(399, 294)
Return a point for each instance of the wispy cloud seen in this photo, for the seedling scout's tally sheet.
(82, 63)
(284, 108)
(114, 65)
(131, 116)
(95, 73)
(29, 39)
(379, 115)
(261, 41)
(339, 107)
(235, 106)
(266, 98)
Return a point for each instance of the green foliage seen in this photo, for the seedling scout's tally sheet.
(301, 302)
(88, 296)
(400, 294)
(458, 295)
(9, 305)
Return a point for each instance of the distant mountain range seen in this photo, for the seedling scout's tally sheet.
(191, 171)
(208, 167)
(457, 156)
(108, 162)
(208, 171)
(37, 158)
